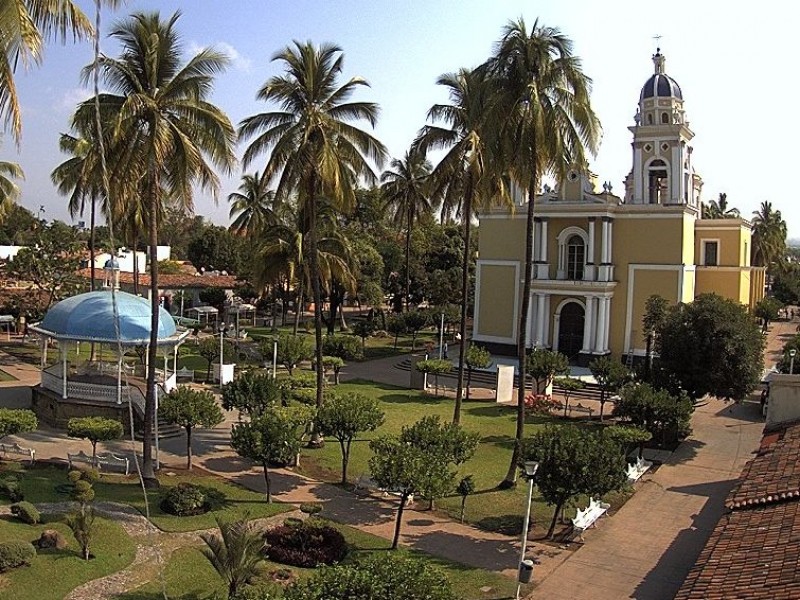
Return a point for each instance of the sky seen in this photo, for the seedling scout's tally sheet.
(731, 60)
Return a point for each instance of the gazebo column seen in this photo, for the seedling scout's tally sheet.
(43, 344)
(119, 378)
(63, 371)
(174, 359)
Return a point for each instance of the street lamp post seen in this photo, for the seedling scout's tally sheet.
(221, 347)
(792, 354)
(530, 472)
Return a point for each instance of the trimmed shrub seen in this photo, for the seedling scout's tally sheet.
(26, 512)
(10, 490)
(305, 545)
(16, 554)
(186, 499)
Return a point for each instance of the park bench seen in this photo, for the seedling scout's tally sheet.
(365, 483)
(81, 458)
(587, 518)
(112, 461)
(637, 469)
(185, 373)
(15, 448)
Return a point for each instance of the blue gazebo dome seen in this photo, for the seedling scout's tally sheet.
(90, 317)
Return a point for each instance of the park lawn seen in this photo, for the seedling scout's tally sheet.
(189, 576)
(488, 508)
(43, 485)
(54, 573)
(6, 376)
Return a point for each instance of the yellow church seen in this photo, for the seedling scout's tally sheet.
(598, 256)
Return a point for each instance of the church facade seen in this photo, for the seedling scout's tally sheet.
(599, 257)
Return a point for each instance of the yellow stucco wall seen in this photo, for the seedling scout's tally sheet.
(648, 241)
(730, 249)
(496, 303)
(502, 239)
(728, 283)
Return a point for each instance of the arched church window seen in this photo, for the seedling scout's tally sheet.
(576, 257)
(649, 118)
(657, 182)
(665, 118)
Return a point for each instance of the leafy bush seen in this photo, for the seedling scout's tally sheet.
(306, 545)
(186, 499)
(16, 554)
(10, 490)
(26, 512)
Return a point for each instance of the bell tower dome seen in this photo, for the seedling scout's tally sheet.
(662, 167)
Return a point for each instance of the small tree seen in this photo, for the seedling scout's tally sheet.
(252, 393)
(568, 385)
(475, 358)
(435, 367)
(610, 375)
(572, 461)
(14, 421)
(768, 309)
(273, 437)
(397, 327)
(191, 409)
(209, 349)
(627, 436)
(415, 321)
(292, 350)
(363, 329)
(82, 524)
(333, 363)
(344, 417)
(544, 365)
(655, 311)
(465, 487)
(235, 553)
(667, 417)
(95, 429)
(345, 347)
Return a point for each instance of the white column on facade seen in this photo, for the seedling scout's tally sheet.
(539, 319)
(590, 249)
(543, 238)
(537, 235)
(609, 246)
(529, 337)
(604, 243)
(587, 325)
(638, 187)
(547, 313)
(601, 326)
(607, 324)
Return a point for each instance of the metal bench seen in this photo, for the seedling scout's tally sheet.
(78, 459)
(15, 448)
(185, 373)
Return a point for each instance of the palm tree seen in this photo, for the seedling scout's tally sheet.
(465, 178)
(253, 205)
(235, 553)
(405, 187)
(719, 209)
(315, 149)
(769, 236)
(9, 191)
(25, 26)
(549, 125)
(167, 136)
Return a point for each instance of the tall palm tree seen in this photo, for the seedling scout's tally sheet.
(236, 553)
(253, 204)
(719, 209)
(9, 191)
(465, 178)
(167, 138)
(25, 26)
(316, 150)
(405, 187)
(549, 125)
(769, 236)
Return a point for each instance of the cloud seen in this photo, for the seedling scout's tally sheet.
(74, 96)
(238, 61)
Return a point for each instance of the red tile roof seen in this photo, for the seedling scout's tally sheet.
(171, 281)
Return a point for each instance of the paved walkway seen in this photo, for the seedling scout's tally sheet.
(644, 551)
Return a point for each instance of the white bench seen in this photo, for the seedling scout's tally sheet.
(586, 518)
(366, 483)
(79, 458)
(185, 373)
(15, 448)
(637, 469)
(112, 461)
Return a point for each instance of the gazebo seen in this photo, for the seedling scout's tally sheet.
(113, 321)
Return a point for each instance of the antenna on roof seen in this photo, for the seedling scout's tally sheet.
(657, 38)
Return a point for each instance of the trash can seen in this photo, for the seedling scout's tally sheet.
(525, 571)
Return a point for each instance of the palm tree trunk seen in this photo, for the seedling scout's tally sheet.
(408, 258)
(464, 305)
(316, 438)
(135, 266)
(92, 356)
(150, 399)
(511, 476)
(299, 308)
(266, 481)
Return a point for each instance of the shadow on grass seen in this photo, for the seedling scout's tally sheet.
(501, 441)
(158, 595)
(412, 399)
(505, 524)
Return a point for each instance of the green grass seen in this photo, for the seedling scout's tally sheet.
(42, 485)
(54, 573)
(489, 508)
(189, 576)
(6, 376)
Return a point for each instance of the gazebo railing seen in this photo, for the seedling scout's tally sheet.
(52, 380)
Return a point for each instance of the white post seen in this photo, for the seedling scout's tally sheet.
(441, 337)
(119, 379)
(64, 371)
(221, 346)
(525, 533)
(43, 344)
(165, 368)
(157, 466)
(183, 293)
(275, 359)
(174, 359)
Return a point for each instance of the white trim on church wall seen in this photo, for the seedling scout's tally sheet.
(515, 315)
(632, 268)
